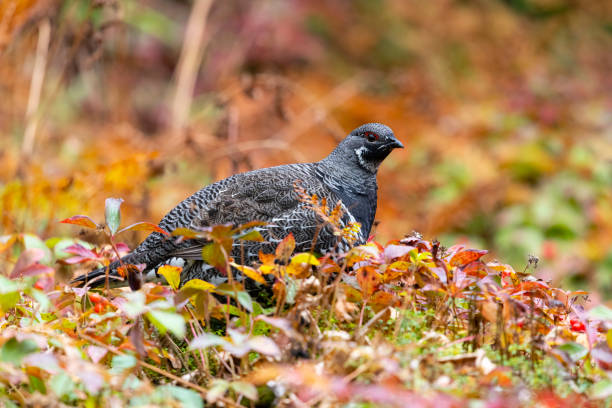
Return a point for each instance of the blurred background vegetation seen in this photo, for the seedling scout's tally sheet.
(505, 107)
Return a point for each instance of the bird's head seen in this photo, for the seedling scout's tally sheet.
(369, 145)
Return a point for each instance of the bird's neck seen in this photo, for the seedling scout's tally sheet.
(346, 176)
(356, 188)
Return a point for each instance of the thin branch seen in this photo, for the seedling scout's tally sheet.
(38, 76)
(189, 63)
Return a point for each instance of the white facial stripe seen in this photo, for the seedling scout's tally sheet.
(369, 166)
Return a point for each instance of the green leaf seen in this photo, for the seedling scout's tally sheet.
(135, 305)
(112, 214)
(217, 389)
(37, 384)
(246, 389)
(61, 384)
(189, 398)
(172, 321)
(212, 255)
(152, 22)
(122, 362)
(41, 298)
(602, 389)
(14, 351)
(245, 300)
(574, 350)
(601, 312)
(252, 235)
(240, 295)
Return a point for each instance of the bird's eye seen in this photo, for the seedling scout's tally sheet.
(371, 136)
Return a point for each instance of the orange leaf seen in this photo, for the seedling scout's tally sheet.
(143, 226)
(368, 280)
(81, 220)
(250, 272)
(467, 256)
(285, 249)
(382, 298)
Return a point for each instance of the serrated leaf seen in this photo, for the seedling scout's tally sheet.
(172, 274)
(112, 214)
(144, 226)
(171, 321)
(250, 272)
(80, 220)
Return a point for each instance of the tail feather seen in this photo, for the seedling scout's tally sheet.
(97, 277)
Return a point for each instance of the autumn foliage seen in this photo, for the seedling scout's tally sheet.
(408, 323)
(504, 109)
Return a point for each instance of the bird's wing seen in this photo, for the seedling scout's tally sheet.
(267, 195)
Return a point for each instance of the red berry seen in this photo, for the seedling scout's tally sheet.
(577, 325)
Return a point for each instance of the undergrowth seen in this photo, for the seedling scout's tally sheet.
(404, 324)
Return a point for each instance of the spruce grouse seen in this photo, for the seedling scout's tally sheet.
(347, 175)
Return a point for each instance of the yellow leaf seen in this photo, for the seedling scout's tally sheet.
(300, 264)
(267, 269)
(250, 272)
(305, 258)
(172, 275)
(198, 284)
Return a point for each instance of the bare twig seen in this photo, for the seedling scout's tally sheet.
(38, 76)
(365, 328)
(189, 63)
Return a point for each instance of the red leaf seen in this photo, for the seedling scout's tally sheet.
(465, 257)
(78, 249)
(81, 220)
(476, 268)
(143, 226)
(27, 264)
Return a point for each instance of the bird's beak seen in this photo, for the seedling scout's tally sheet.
(395, 144)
